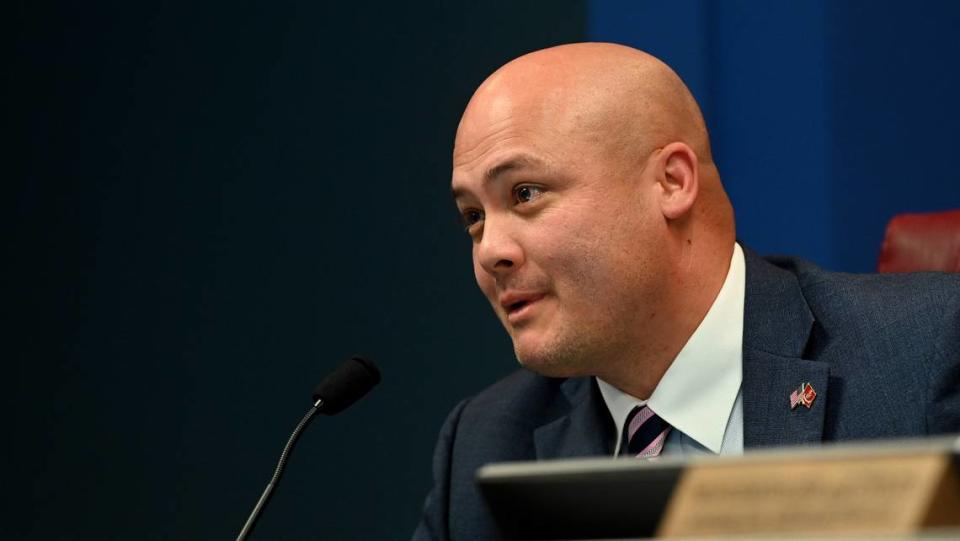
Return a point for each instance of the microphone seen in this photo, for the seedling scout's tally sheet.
(345, 385)
(354, 378)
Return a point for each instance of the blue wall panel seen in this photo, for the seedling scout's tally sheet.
(894, 86)
(826, 119)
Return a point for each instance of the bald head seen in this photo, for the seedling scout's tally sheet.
(601, 233)
(628, 98)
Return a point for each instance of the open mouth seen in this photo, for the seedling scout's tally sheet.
(517, 306)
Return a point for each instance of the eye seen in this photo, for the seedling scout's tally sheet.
(526, 193)
(471, 217)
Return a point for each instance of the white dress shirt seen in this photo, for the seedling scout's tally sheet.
(699, 395)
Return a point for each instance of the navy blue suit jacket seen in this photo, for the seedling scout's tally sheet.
(882, 352)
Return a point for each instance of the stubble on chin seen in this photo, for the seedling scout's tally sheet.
(555, 357)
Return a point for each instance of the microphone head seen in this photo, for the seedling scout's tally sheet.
(345, 385)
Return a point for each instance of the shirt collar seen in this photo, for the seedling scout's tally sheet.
(697, 393)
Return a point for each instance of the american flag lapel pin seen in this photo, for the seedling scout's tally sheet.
(803, 395)
(795, 397)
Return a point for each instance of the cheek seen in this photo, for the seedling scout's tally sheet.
(577, 270)
(575, 238)
(594, 258)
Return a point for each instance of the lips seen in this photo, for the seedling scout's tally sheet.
(515, 303)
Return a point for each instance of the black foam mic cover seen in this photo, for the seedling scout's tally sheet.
(345, 385)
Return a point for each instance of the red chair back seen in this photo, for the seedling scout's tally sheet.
(922, 242)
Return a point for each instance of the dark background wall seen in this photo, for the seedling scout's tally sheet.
(211, 204)
(214, 203)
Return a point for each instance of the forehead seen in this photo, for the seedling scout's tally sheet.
(503, 136)
(506, 153)
(536, 118)
(526, 153)
(468, 181)
(494, 120)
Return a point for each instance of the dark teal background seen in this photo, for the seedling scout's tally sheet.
(211, 204)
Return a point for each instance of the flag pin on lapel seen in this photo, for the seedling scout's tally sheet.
(803, 395)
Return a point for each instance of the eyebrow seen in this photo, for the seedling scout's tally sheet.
(512, 163)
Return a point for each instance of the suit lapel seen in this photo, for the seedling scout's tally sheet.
(768, 381)
(776, 328)
(585, 430)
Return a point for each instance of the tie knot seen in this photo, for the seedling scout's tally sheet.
(643, 433)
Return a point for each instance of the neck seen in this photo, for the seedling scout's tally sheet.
(687, 298)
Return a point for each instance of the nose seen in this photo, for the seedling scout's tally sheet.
(498, 252)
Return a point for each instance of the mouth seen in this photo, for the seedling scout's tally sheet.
(516, 306)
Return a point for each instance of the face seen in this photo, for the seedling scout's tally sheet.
(565, 237)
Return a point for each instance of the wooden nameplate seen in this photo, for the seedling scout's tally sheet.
(870, 491)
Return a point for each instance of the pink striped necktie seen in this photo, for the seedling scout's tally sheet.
(644, 433)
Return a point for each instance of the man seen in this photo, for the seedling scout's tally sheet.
(605, 243)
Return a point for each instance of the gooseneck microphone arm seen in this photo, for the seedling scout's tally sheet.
(344, 386)
(281, 465)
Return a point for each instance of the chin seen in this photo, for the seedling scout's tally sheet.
(549, 361)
